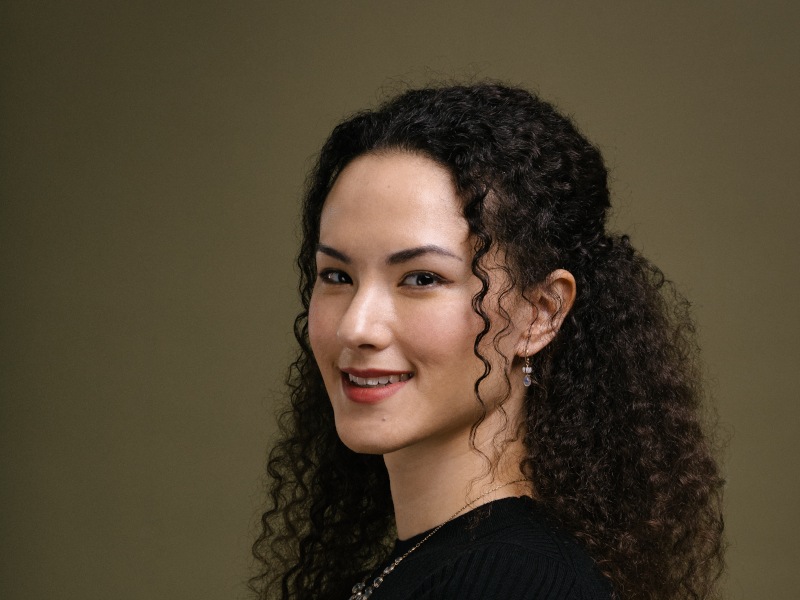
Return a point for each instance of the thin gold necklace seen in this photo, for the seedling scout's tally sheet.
(362, 590)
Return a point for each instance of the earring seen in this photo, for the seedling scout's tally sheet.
(527, 370)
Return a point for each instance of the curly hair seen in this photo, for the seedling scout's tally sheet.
(615, 440)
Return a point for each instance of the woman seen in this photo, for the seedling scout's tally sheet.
(494, 397)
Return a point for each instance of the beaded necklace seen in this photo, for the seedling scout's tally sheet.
(362, 590)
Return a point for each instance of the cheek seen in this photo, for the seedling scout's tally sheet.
(444, 335)
(447, 340)
(321, 327)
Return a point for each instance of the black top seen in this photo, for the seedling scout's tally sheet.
(506, 550)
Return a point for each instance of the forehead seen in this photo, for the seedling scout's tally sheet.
(394, 199)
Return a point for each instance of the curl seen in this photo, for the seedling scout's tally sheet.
(615, 441)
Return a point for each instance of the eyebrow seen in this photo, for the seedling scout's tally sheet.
(396, 257)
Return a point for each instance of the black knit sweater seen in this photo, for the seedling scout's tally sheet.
(505, 550)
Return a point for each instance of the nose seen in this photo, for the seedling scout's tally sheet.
(365, 322)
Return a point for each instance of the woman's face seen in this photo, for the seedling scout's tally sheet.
(391, 321)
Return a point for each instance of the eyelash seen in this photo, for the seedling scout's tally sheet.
(328, 275)
(435, 279)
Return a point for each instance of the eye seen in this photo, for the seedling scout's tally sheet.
(421, 279)
(335, 277)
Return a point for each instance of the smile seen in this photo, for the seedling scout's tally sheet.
(371, 382)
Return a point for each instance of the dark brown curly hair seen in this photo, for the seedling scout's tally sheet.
(615, 440)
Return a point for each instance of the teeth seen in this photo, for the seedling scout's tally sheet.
(376, 381)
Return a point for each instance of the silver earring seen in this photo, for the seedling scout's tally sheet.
(527, 370)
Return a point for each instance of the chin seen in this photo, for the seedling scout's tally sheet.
(360, 446)
(364, 442)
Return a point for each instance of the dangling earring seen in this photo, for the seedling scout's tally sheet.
(527, 370)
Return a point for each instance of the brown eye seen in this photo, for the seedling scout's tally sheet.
(421, 279)
(335, 277)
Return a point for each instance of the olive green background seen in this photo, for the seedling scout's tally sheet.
(151, 158)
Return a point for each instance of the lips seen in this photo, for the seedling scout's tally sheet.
(368, 386)
(368, 382)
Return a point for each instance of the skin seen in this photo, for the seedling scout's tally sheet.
(393, 297)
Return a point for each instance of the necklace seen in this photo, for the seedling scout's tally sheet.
(362, 590)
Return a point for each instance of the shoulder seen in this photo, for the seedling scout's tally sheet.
(515, 571)
(513, 552)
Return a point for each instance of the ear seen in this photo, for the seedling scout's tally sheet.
(549, 302)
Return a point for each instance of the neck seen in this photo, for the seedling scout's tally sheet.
(430, 484)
